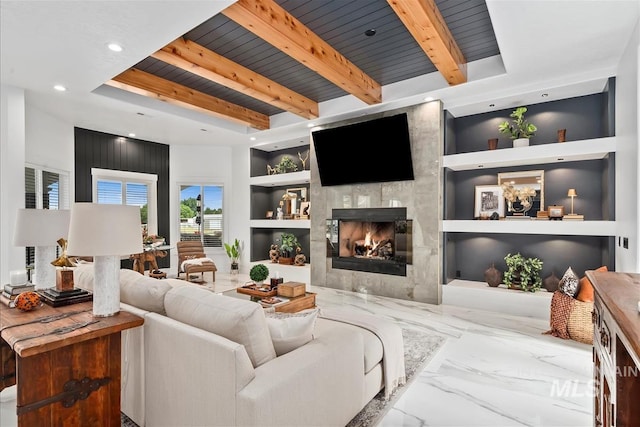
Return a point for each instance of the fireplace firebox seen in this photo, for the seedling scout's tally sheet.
(376, 240)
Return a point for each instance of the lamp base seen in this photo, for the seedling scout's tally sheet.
(55, 298)
(575, 217)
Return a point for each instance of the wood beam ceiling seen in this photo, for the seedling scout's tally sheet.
(272, 23)
(196, 59)
(425, 23)
(143, 83)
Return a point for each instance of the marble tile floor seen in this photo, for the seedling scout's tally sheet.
(493, 370)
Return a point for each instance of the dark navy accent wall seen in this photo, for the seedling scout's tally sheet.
(95, 149)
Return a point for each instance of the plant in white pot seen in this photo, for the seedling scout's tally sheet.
(519, 129)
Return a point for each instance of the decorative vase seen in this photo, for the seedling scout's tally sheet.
(493, 143)
(520, 142)
(235, 267)
(562, 135)
(493, 276)
(551, 282)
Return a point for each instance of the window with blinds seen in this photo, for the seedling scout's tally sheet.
(128, 188)
(44, 189)
(201, 214)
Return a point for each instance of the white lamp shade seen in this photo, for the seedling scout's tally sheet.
(40, 227)
(104, 230)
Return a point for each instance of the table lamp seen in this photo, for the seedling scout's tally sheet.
(104, 232)
(573, 194)
(41, 228)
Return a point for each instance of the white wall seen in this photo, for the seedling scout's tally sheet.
(194, 164)
(12, 158)
(49, 143)
(627, 156)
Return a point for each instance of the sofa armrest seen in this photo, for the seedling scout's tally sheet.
(320, 383)
(191, 375)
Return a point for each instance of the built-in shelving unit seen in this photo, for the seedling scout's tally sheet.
(291, 178)
(585, 162)
(591, 149)
(533, 226)
(266, 192)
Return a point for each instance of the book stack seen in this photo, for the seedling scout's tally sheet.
(10, 292)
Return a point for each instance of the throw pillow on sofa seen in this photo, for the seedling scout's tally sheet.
(237, 320)
(291, 330)
(569, 283)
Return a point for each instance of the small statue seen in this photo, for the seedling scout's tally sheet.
(270, 170)
(280, 213)
(274, 254)
(63, 260)
(304, 161)
(300, 259)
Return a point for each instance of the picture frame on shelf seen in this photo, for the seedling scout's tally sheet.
(488, 199)
(269, 215)
(305, 210)
(555, 212)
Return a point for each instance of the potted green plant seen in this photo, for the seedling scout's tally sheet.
(523, 273)
(259, 273)
(286, 165)
(233, 252)
(288, 244)
(520, 130)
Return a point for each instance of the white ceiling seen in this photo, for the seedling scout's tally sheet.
(559, 47)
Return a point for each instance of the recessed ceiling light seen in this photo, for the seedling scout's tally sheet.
(114, 47)
(132, 135)
(203, 130)
(60, 88)
(370, 32)
(140, 114)
(492, 105)
(544, 95)
(480, 166)
(253, 138)
(560, 159)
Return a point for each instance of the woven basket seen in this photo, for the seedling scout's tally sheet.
(580, 323)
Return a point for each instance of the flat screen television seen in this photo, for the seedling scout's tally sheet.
(373, 151)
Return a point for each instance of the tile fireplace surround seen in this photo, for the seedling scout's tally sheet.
(421, 197)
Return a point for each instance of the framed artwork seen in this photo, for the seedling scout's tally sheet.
(489, 199)
(269, 215)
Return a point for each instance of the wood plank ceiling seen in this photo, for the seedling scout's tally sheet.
(262, 57)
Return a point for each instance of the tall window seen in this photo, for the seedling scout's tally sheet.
(201, 214)
(44, 189)
(128, 188)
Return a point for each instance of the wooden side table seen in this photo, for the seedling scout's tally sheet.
(67, 364)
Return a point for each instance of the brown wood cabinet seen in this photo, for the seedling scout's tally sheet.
(67, 364)
(616, 349)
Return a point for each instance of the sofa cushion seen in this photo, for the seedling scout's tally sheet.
(140, 291)
(291, 330)
(235, 319)
(373, 350)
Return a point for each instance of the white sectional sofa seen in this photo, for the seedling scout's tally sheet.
(203, 359)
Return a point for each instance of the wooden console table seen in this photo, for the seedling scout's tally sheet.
(616, 349)
(67, 364)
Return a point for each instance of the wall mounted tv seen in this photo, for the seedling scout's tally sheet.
(372, 151)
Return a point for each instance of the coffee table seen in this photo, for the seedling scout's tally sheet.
(293, 305)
